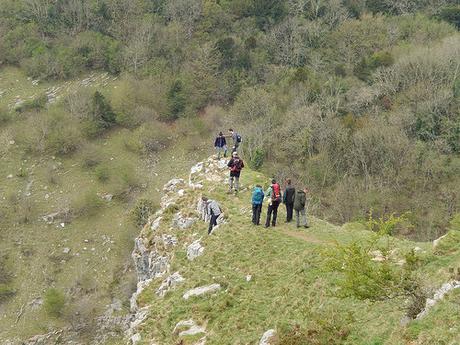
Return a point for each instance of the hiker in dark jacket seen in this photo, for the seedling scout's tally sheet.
(221, 145)
(235, 165)
(236, 138)
(288, 199)
(257, 200)
(273, 194)
(213, 210)
(300, 202)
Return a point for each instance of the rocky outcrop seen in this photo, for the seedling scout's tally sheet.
(438, 296)
(181, 209)
(194, 250)
(202, 290)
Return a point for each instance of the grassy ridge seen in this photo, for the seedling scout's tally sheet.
(290, 283)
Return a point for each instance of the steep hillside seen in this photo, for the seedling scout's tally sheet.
(243, 280)
(68, 218)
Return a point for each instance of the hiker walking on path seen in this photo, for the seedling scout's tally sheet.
(273, 193)
(288, 200)
(300, 202)
(236, 139)
(257, 200)
(213, 210)
(221, 145)
(235, 165)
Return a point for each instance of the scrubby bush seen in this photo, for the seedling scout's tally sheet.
(86, 204)
(141, 212)
(102, 173)
(54, 302)
(37, 103)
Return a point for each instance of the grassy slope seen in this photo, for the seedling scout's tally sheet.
(35, 249)
(289, 284)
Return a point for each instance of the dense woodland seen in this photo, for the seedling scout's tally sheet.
(357, 99)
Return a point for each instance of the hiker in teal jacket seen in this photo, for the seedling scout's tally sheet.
(257, 200)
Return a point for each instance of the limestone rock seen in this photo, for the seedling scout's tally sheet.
(169, 240)
(202, 290)
(268, 337)
(149, 264)
(182, 222)
(194, 250)
(192, 328)
(438, 240)
(173, 185)
(156, 224)
(169, 283)
(438, 296)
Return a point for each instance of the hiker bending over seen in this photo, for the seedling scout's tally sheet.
(288, 199)
(221, 145)
(235, 165)
(274, 195)
(213, 210)
(257, 200)
(300, 202)
(236, 139)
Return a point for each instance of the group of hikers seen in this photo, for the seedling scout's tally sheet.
(294, 199)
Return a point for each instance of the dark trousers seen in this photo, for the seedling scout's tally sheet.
(289, 210)
(256, 210)
(212, 223)
(272, 209)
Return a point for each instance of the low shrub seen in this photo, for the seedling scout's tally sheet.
(91, 157)
(37, 103)
(141, 212)
(87, 204)
(54, 302)
(102, 173)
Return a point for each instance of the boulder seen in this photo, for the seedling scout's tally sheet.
(194, 250)
(202, 290)
(191, 328)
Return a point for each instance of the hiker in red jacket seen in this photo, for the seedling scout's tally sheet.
(235, 165)
(273, 193)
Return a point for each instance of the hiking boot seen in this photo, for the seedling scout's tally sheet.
(306, 226)
(229, 191)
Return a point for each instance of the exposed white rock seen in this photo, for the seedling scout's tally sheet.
(169, 283)
(438, 240)
(182, 222)
(156, 223)
(149, 264)
(202, 290)
(169, 240)
(267, 337)
(66, 250)
(173, 184)
(192, 328)
(438, 295)
(194, 250)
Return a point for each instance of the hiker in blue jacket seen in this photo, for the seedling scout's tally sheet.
(221, 145)
(257, 200)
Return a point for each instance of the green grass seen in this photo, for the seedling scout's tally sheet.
(290, 284)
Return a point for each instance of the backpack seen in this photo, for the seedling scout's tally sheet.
(239, 139)
(236, 165)
(276, 195)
